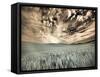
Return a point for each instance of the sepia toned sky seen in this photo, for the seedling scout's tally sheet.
(57, 25)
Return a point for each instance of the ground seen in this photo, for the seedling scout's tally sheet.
(57, 56)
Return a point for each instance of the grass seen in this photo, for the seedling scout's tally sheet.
(49, 56)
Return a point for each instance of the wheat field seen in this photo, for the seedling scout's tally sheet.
(52, 56)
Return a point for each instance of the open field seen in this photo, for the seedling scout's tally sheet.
(55, 56)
